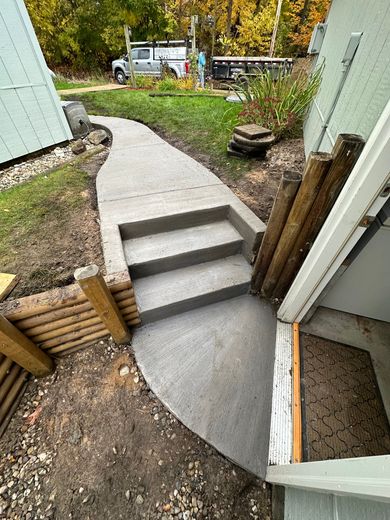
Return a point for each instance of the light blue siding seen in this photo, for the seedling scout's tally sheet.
(31, 117)
(367, 87)
(309, 505)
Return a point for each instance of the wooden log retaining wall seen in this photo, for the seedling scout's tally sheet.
(59, 322)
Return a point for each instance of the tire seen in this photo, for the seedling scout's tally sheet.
(173, 73)
(120, 76)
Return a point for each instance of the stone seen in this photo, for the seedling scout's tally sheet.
(139, 500)
(252, 131)
(124, 370)
(127, 494)
(97, 136)
(78, 146)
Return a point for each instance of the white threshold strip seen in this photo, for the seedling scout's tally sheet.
(280, 444)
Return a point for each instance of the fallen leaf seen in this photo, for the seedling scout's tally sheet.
(33, 417)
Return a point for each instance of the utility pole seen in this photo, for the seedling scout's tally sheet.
(194, 21)
(127, 30)
(275, 31)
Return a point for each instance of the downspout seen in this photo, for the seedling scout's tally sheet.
(346, 64)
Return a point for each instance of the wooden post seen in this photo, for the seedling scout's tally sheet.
(316, 169)
(284, 199)
(15, 345)
(95, 289)
(345, 153)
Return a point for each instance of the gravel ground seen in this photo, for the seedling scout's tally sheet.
(93, 442)
(28, 169)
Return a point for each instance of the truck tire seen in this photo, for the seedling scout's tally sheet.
(174, 74)
(120, 76)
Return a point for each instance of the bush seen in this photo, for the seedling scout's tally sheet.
(144, 81)
(278, 104)
(167, 84)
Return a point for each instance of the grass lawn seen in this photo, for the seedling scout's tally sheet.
(43, 229)
(64, 84)
(204, 124)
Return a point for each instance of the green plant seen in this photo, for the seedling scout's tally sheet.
(280, 103)
(145, 82)
(167, 84)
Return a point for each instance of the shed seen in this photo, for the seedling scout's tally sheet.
(31, 116)
(355, 85)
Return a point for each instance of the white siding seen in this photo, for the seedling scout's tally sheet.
(367, 88)
(308, 505)
(31, 117)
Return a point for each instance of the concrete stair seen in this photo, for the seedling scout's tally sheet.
(162, 295)
(178, 248)
(177, 269)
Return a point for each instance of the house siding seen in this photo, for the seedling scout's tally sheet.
(31, 116)
(301, 505)
(367, 87)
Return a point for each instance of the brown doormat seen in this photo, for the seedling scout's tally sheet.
(343, 410)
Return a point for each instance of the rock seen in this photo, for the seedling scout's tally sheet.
(127, 494)
(252, 131)
(124, 370)
(78, 146)
(139, 500)
(97, 136)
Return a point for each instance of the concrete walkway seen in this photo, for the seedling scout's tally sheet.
(206, 347)
(96, 88)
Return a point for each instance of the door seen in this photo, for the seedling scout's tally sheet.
(142, 61)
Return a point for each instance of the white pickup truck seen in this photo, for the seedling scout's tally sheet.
(147, 60)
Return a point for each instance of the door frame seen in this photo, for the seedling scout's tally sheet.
(362, 477)
(360, 197)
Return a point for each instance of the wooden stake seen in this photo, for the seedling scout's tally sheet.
(15, 345)
(345, 153)
(316, 169)
(297, 406)
(288, 188)
(95, 289)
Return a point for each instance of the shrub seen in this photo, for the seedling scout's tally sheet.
(167, 84)
(185, 83)
(280, 103)
(144, 81)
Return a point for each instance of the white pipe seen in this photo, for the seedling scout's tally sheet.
(341, 230)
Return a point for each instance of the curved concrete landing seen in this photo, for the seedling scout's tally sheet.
(213, 368)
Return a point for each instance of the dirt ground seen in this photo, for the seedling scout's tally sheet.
(256, 188)
(91, 444)
(51, 262)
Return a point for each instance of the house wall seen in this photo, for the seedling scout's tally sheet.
(31, 116)
(308, 505)
(367, 87)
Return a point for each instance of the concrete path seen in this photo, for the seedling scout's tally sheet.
(206, 346)
(96, 88)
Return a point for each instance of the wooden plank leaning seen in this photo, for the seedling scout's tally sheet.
(16, 346)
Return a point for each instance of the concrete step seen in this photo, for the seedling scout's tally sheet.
(166, 294)
(171, 250)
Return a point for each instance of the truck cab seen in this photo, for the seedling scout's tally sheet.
(147, 60)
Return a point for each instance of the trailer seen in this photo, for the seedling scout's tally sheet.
(232, 68)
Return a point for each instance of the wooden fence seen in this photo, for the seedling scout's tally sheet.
(36, 328)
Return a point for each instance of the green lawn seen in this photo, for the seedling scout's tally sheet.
(64, 84)
(26, 209)
(203, 123)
